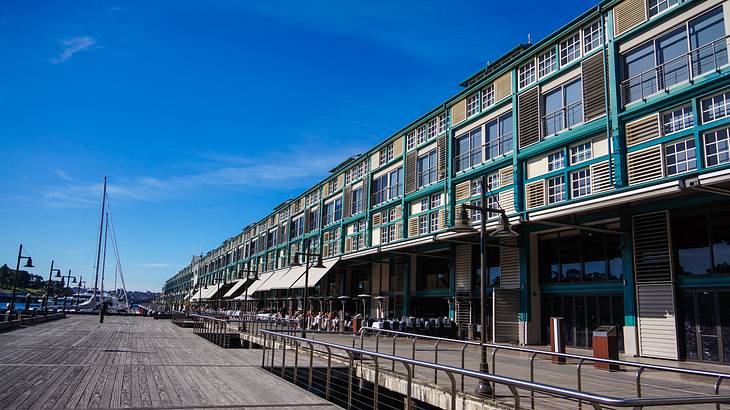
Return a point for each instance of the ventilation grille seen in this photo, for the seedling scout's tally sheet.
(509, 261)
(458, 112)
(375, 279)
(641, 130)
(507, 201)
(441, 147)
(594, 87)
(413, 227)
(645, 165)
(377, 219)
(601, 177)
(535, 194)
(506, 176)
(627, 15)
(652, 253)
(529, 118)
(657, 326)
(411, 160)
(347, 202)
(462, 270)
(506, 316)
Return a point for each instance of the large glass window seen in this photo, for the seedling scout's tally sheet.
(702, 243)
(575, 256)
(547, 62)
(357, 202)
(570, 49)
(715, 107)
(707, 39)
(433, 273)
(580, 183)
(563, 107)
(427, 166)
(592, 36)
(499, 136)
(677, 119)
(680, 156)
(717, 146)
(658, 6)
(469, 149)
(388, 186)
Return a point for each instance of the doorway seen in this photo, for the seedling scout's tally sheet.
(706, 325)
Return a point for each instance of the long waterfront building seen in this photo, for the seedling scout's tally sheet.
(607, 144)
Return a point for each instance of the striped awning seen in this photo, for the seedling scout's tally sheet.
(315, 274)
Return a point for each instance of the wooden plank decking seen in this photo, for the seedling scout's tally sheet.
(134, 362)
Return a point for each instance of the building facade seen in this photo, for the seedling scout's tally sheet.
(607, 144)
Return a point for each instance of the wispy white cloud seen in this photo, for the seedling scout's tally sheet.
(74, 45)
(63, 175)
(291, 168)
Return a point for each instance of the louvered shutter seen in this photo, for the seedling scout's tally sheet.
(627, 15)
(375, 237)
(442, 218)
(507, 200)
(306, 220)
(594, 87)
(348, 244)
(347, 202)
(441, 147)
(377, 219)
(601, 177)
(398, 147)
(462, 270)
(652, 252)
(535, 194)
(645, 165)
(458, 112)
(503, 86)
(463, 190)
(374, 160)
(364, 196)
(410, 177)
(643, 129)
(506, 319)
(412, 227)
(399, 231)
(506, 176)
(325, 190)
(340, 181)
(528, 117)
(509, 263)
(398, 212)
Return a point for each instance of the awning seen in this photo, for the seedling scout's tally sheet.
(274, 279)
(256, 285)
(243, 297)
(238, 284)
(196, 296)
(315, 274)
(288, 279)
(208, 292)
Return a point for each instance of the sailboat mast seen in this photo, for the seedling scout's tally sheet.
(103, 263)
(98, 248)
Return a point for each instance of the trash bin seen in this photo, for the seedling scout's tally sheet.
(356, 323)
(605, 346)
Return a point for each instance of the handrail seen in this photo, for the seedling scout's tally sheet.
(555, 354)
(596, 400)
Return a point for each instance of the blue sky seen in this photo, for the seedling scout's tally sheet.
(207, 115)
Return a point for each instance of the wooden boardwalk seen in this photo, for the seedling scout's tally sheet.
(134, 362)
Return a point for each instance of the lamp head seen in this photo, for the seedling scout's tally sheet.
(58, 274)
(29, 263)
(296, 261)
(319, 263)
(504, 229)
(461, 224)
(73, 280)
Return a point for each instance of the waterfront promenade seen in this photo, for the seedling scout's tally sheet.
(134, 362)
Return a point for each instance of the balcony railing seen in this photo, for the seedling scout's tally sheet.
(710, 57)
(564, 118)
(468, 159)
(425, 177)
(386, 194)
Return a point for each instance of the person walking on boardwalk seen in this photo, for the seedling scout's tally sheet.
(102, 310)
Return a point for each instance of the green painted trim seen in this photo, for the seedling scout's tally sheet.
(703, 281)
(582, 288)
(581, 131)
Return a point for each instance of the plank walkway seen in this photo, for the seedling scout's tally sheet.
(134, 362)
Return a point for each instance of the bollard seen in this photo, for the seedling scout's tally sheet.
(557, 338)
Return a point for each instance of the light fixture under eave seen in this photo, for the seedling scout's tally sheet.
(461, 224)
(504, 229)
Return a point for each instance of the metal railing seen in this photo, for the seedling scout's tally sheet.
(563, 118)
(580, 360)
(386, 194)
(710, 57)
(348, 358)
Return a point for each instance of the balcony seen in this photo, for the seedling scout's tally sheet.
(426, 177)
(685, 68)
(563, 118)
(468, 159)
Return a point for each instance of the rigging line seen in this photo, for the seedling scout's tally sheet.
(103, 263)
(119, 260)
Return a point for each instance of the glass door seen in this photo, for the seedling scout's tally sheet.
(706, 323)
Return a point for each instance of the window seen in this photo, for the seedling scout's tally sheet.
(592, 36)
(716, 107)
(472, 105)
(487, 96)
(677, 120)
(476, 187)
(556, 160)
(547, 62)
(386, 154)
(358, 240)
(388, 186)
(421, 134)
(297, 227)
(411, 140)
(357, 201)
(499, 136)
(433, 273)
(469, 149)
(569, 49)
(424, 204)
(475, 215)
(717, 147)
(493, 181)
(680, 156)
(313, 220)
(581, 183)
(435, 201)
(271, 239)
(527, 74)
(333, 211)
(658, 6)
(702, 242)
(563, 107)
(432, 128)
(556, 189)
(442, 123)
(422, 224)
(434, 221)
(580, 153)
(332, 186)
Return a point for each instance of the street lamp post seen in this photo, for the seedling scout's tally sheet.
(28, 264)
(78, 291)
(50, 279)
(248, 271)
(319, 264)
(484, 388)
(68, 277)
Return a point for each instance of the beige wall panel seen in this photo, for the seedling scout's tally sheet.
(537, 166)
